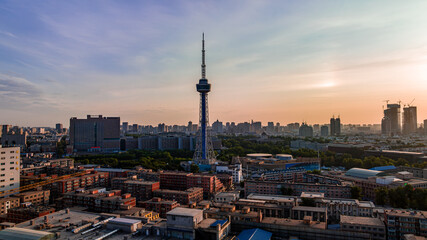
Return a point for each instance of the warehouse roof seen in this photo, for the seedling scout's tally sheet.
(24, 234)
(361, 173)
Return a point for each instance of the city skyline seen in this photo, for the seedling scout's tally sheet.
(282, 62)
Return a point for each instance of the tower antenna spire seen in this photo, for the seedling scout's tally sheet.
(203, 57)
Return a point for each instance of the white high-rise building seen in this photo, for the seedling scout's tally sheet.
(9, 168)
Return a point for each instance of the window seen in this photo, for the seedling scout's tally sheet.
(12, 162)
(11, 168)
(12, 179)
(11, 184)
(3, 163)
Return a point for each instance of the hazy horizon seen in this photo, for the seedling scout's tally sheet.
(280, 61)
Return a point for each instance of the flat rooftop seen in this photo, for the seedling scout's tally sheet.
(376, 222)
(62, 218)
(294, 223)
(270, 197)
(190, 212)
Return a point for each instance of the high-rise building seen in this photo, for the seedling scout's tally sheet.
(270, 127)
(204, 154)
(135, 128)
(409, 120)
(335, 126)
(125, 127)
(96, 133)
(59, 127)
(425, 126)
(9, 171)
(217, 127)
(391, 123)
(324, 131)
(305, 130)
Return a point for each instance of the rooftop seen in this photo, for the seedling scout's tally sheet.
(406, 213)
(292, 222)
(313, 209)
(24, 234)
(361, 173)
(190, 212)
(361, 221)
(254, 234)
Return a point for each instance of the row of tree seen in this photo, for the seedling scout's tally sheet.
(166, 160)
(402, 197)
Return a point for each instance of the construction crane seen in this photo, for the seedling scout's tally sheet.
(409, 104)
(39, 184)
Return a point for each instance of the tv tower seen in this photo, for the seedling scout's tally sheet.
(204, 154)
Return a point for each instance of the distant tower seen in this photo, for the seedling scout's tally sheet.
(335, 125)
(204, 153)
(409, 120)
(391, 123)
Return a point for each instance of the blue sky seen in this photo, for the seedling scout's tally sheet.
(284, 61)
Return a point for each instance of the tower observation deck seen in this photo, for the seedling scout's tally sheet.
(204, 154)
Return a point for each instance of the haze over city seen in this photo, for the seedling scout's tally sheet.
(281, 61)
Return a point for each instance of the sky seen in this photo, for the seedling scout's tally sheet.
(281, 61)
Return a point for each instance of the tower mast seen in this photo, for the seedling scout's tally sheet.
(204, 154)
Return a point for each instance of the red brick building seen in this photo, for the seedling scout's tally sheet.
(159, 205)
(96, 179)
(174, 180)
(191, 195)
(100, 201)
(182, 181)
(18, 215)
(141, 190)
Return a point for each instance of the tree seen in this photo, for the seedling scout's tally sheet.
(286, 191)
(356, 192)
(309, 202)
(381, 196)
(194, 168)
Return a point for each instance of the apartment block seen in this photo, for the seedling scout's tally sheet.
(96, 179)
(18, 215)
(160, 206)
(189, 196)
(9, 168)
(141, 190)
(275, 188)
(100, 201)
(374, 226)
(182, 181)
(34, 197)
(401, 222)
(8, 203)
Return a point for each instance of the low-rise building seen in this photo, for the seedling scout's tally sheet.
(226, 197)
(189, 196)
(373, 226)
(18, 215)
(275, 188)
(160, 205)
(401, 222)
(141, 190)
(100, 201)
(182, 222)
(8, 203)
(34, 197)
(316, 213)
